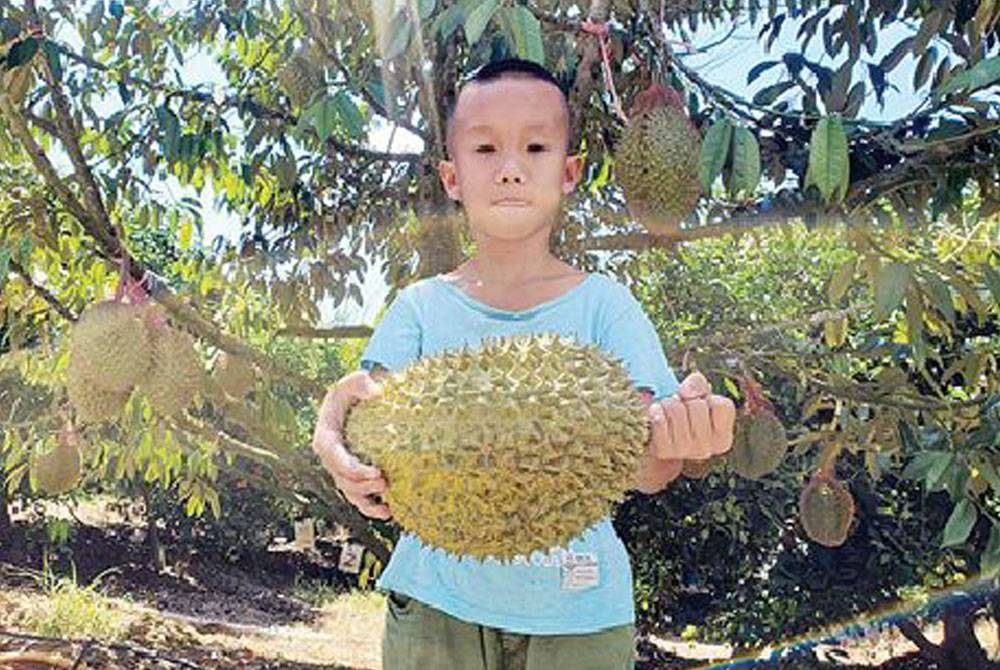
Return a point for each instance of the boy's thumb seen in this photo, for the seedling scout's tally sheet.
(372, 387)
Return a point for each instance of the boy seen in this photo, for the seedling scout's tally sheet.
(507, 140)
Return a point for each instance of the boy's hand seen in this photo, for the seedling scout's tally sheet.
(693, 424)
(357, 481)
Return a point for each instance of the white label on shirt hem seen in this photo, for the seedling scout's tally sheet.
(579, 571)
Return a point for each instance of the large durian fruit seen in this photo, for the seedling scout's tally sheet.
(109, 352)
(116, 347)
(656, 160)
(759, 442)
(176, 375)
(58, 470)
(233, 374)
(517, 445)
(826, 509)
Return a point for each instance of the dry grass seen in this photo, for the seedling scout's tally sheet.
(347, 632)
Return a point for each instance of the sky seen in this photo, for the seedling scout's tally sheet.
(725, 63)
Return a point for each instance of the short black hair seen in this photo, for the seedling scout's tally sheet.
(493, 71)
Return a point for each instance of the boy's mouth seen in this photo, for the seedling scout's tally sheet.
(511, 202)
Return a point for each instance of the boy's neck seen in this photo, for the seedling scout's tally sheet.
(508, 265)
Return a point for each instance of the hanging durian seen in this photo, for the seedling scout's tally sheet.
(109, 347)
(176, 375)
(299, 77)
(826, 509)
(58, 470)
(233, 374)
(519, 444)
(656, 160)
(759, 441)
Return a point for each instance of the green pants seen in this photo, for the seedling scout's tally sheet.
(419, 637)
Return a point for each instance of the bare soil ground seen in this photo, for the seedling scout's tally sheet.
(212, 614)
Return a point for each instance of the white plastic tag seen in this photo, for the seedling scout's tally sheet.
(579, 571)
(350, 558)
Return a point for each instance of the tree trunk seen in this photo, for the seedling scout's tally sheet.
(960, 644)
(960, 648)
(156, 549)
(5, 523)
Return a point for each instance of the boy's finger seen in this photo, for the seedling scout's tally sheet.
(341, 463)
(362, 488)
(370, 508)
(660, 431)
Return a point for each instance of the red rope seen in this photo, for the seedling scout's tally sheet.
(600, 30)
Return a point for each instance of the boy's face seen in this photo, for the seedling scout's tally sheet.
(508, 156)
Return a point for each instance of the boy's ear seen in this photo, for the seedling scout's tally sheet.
(446, 170)
(572, 172)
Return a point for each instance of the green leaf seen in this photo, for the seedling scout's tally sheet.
(989, 563)
(896, 55)
(398, 36)
(447, 22)
(829, 165)
(52, 56)
(939, 468)
(841, 280)
(923, 69)
(970, 295)
(769, 94)
(714, 150)
(425, 9)
(925, 462)
(527, 34)
(960, 523)
(891, 281)
(349, 115)
(989, 473)
(323, 116)
(746, 161)
(941, 295)
(992, 277)
(478, 19)
(22, 52)
(915, 325)
(984, 73)
(4, 265)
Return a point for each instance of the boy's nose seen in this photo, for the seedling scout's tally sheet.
(510, 171)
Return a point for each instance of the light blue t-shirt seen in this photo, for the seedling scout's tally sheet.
(581, 588)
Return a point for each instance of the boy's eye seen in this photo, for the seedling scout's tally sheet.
(488, 148)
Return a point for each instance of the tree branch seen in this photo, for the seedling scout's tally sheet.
(345, 332)
(736, 224)
(43, 292)
(20, 129)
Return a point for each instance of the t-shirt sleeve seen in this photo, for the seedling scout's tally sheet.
(396, 340)
(628, 334)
